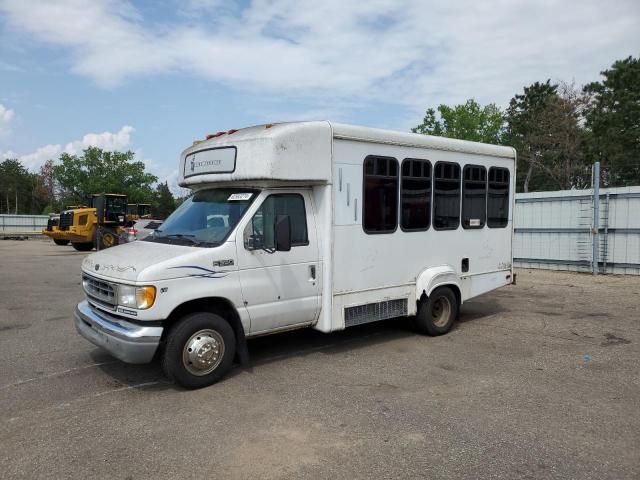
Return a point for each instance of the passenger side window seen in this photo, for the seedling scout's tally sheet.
(446, 202)
(474, 196)
(263, 221)
(498, 198)
(380, 185)
(415, 195)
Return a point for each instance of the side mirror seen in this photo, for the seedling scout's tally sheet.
(249, 236)
(283, 233)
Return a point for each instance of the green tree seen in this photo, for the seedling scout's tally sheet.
(544, 126)
(17, 187)
(613, 122)
(523, 129)
(45, 190)
(163, 202)
(98, 171)
(468, 121)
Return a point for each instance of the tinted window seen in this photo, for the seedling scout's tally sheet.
(446, 200)
(474, 196)
(263, 221)
(498, 198)
(380, 185)
(415, 196)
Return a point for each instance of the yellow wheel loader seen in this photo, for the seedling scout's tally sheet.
(136, 211)
(98, 226)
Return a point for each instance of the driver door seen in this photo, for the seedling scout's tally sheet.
(280, 289)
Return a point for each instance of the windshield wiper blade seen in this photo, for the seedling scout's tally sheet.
(180, 236)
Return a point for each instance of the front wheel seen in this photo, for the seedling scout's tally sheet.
(60, 242)
(199, 350)
(437, 313)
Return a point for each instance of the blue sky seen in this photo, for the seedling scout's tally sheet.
(152, 76)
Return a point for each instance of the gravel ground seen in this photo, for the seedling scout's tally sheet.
(538, 380)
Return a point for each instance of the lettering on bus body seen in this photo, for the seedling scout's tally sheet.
(213, 160)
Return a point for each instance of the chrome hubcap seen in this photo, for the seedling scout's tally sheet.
(441, 311)
(203, 352)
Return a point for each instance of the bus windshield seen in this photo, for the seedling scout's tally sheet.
(206, 218)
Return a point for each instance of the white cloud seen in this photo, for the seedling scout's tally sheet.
(119, 140)
(105, 140)
(408, 52)
(6, 115)
(35, 159)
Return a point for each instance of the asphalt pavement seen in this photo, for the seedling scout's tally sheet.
(537, 380)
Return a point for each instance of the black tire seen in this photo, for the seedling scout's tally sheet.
(107, 238)
(60, 242)
(82, 246)
(176, 366)
(437, 313)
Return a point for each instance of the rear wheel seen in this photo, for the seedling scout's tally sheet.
(107, 238)
(437, 313)
(199, 350)
(82, 246)
(60, 242)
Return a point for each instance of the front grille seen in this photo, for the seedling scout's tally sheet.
(372, 312)
(101, 292)
(66, 220)
(52, 222)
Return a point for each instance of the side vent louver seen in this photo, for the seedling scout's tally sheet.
(372, 312)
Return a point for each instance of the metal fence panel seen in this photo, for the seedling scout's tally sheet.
(553, 230)
(22, 224)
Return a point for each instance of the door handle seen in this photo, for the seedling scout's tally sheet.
(312, 272)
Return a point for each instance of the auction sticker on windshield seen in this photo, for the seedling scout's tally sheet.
(213, 160)
(239, 196)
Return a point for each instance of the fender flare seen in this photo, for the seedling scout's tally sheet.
(431, 278)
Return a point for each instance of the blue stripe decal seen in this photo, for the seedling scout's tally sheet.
(208, 274)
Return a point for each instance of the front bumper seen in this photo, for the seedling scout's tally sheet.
(64, 235)
(129, 342)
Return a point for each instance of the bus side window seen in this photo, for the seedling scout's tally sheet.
(380, 185)
(474, 196)
(415, 195)
(498, 198)
(262, 226)
(446, 200)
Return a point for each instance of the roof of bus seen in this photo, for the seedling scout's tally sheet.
(395, 137)
(359, 133)
(298, 150)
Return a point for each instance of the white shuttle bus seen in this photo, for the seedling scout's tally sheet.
(310, 224)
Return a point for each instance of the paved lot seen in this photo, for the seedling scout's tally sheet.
(538, 380)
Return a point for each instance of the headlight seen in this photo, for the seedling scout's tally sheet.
(136, 297)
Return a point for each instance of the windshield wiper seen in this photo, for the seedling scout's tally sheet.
(179, 236)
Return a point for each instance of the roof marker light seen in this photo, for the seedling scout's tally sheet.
(214, 135)
(268, 125)
(233, 130)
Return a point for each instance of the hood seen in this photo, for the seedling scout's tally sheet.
(149, 261)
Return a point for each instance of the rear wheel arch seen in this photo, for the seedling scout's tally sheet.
(218, 305)
(441, 276)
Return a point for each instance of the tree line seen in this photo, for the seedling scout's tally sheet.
(74, 178)
(558, 129)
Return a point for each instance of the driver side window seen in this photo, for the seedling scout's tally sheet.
(261, 229)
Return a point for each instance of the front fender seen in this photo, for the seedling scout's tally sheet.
(435, 277)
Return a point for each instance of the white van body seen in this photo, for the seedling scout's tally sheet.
(342, 276)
